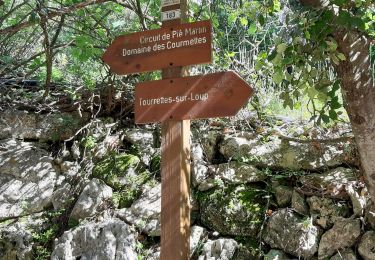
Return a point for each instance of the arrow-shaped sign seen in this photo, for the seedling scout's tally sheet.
(212, 95)
(169, 46)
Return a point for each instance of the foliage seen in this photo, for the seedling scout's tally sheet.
(285, 50)
(124, 173)
(43, 239)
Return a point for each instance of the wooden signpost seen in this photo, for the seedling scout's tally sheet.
(211, 95)
(175, 100)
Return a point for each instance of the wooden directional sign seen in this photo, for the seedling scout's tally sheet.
(212, 95)
(169, 46)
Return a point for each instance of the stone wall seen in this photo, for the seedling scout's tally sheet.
(73, 187)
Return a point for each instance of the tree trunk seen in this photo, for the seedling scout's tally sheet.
(358, 92)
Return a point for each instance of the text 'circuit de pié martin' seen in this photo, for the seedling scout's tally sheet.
(168, 41)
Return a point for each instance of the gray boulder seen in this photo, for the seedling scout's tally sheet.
(275, 254)
(345, 254)
(325, 211)
(62, 196)
(229, 173)
(331, 183)
(281, 153)
(358, 200)
(283, 195)
(366, 247)
(293, 234)
(208, 141)
(111, 239)
(144, 140)
(144, 213)
(92, 198)
(220, 249)
(299, 203)
(237, 211)
(343, 234)
(27, 179)
(24, 125)
(370, 214)
(197, 236)
(16, 236)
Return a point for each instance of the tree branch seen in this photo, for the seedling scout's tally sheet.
(51, 14)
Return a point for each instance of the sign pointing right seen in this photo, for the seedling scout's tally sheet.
(213, 95)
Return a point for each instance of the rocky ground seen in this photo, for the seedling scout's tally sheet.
(76, 186)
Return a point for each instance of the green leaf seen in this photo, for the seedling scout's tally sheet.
(261, 19)
(232, 18)
(334, 59)
(339, 2)
(341, 56)
(344, 18)
(272, 55)
(307, 35)
(243, 21)
(325, 118)
(335, 103)
(336, 86)
(278, 77)
(312, 92)
(281, 48)
(252, 29)
(332, 46)
(333, 115)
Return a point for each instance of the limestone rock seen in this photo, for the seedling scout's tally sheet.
(293, 234)
(279, 153)
(343, 234)
(111, 239)
(358, 200)
(229, 173)
(275, 254)
(299, 204)
(24, 125)
(325, 211)
(345, 254)
(332, 182)
(367, 246)
(197, 235)
(16, 236)
(145, 212)
(220, 249)
(62, 196)
(144, 141)
(199, 173)
(235, 211)
(209, 142)
(27, 178)
(70, 169)
(283, 195)
(197, 154)
(370, 214)
(93, 196)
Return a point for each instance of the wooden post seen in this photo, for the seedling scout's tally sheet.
(175, 172)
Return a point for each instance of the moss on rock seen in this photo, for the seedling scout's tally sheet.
(234, 210)
(125, 174)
